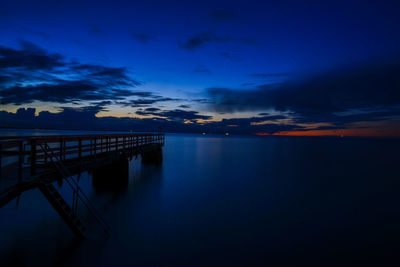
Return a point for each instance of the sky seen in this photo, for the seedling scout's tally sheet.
(244, 67)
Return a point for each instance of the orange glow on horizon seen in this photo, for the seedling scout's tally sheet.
(338, 132)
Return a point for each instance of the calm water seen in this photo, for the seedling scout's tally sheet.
(230, 200)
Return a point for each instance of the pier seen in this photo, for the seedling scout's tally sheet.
(30, 162)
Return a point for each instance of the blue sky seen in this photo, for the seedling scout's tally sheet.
(184, 51)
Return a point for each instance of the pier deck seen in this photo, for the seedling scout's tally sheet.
(25, 163)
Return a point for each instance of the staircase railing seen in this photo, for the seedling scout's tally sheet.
(78, 194)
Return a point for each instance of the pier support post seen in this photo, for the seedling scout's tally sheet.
(114, 177)
(1, 152)
(33, 156)
(152, 157)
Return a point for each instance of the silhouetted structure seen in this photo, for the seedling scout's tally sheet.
(30, 162)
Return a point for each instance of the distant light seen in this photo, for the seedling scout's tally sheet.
(226, 133)
(204, 133)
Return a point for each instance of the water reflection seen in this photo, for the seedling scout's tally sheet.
(230, 200)
(46, 240)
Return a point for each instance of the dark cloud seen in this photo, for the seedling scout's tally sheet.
(102, 104)
(340, 120)
(251, 120)
(144, 112)
(142, 102)
(139, 102)
(269, 75)
(85, 118)
(323, 97)
(253, 125)
(180, 115)
(203, 101)
(201, 69)
(61, 92)
(143, 94)
(142, 37)
(30, 57)
(222, 15)
(95, 29)
(152, 109)
(247, 84)
(39, 33)
(65, 92)
(24, 30)
(102, 74)
(175, 115)
(230, 56)
(26, 114)
(203, 38)
(183, 106)
(33, 74)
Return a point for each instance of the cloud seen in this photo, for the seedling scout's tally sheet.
(201, 39)
(201, 69)
(183, 106)
(269, 75)
(143, 94)
(95, 29)
(247, 84)
(24, 30)
(66, 92)
(30, 57)
(61, 92)
(181, 115)
(251, 120)
(142, 102)
(85, 118)
(341, 120)
(223, 15)
(152, 109)
(175, 115)
(230, 57)
(102, 75)
(346, 95)
(26, 114)
(142, 37)
(33, 74)
(264, 124)
(203, 101)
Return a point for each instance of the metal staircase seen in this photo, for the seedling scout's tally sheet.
(63, 209)
(69, 213)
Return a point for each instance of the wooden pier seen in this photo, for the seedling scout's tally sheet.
(29, 162)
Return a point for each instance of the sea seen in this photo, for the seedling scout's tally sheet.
(227, 200)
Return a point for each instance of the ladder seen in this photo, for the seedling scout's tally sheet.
(69, 214)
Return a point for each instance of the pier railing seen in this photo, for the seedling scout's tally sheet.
(26, 151)
(37, 161)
